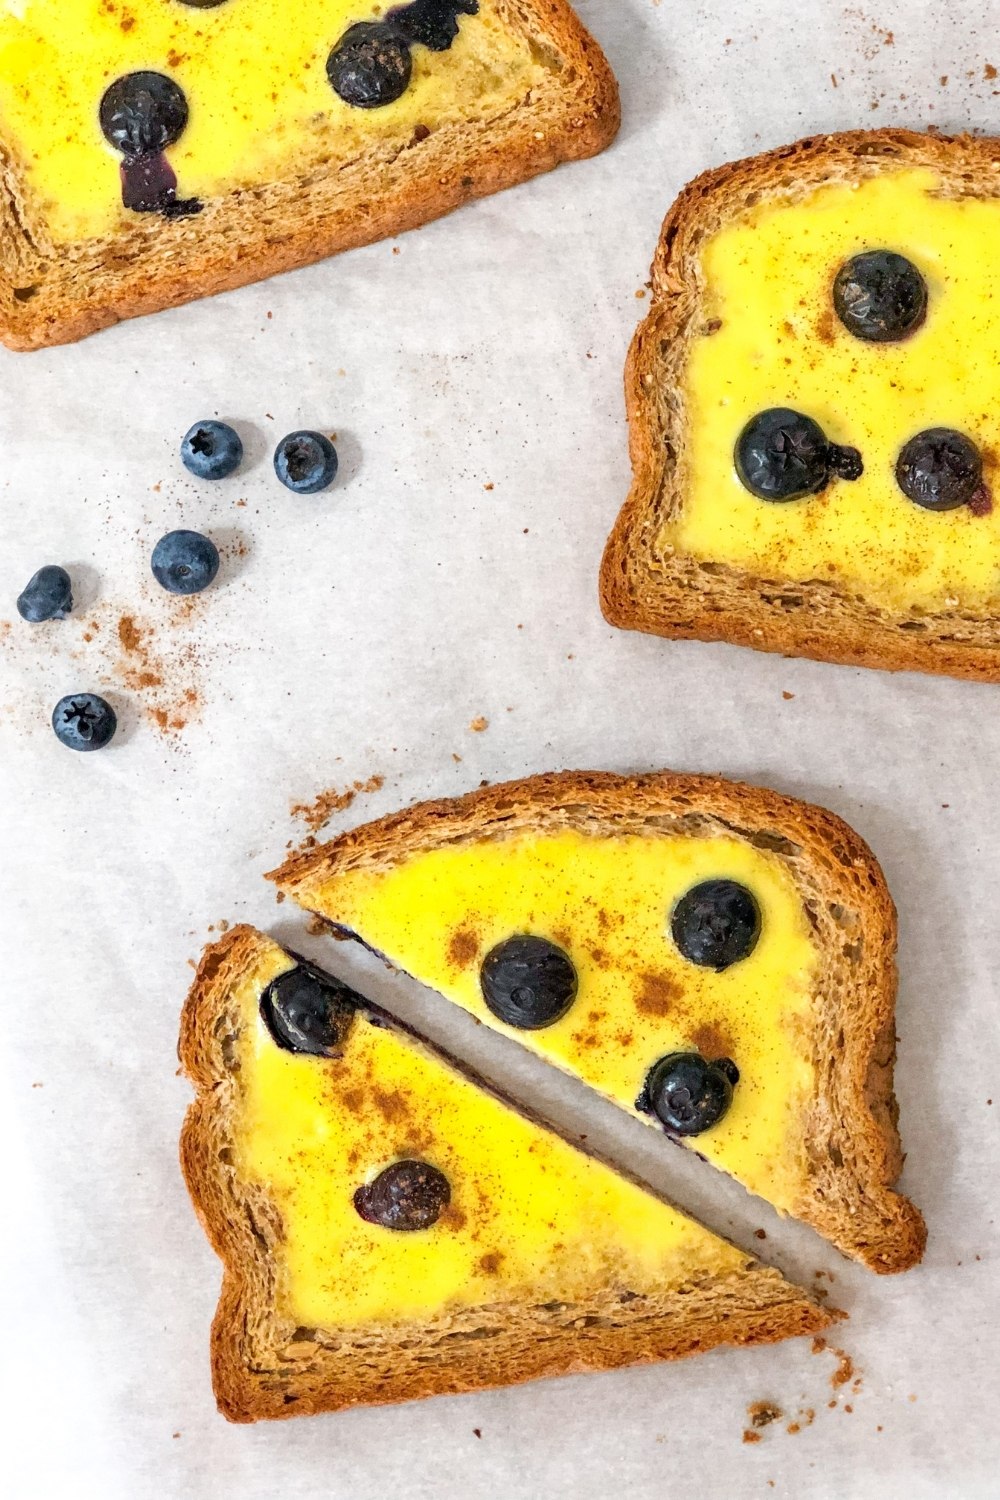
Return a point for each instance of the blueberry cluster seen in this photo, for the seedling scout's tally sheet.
(881, 298)
(183, 562)
(305, 462)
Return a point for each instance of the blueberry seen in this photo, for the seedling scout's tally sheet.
(211, 450)
(143, 113)
(370, 66)
(48, 595)
(686, 1093)
(306, 462)
(940, 469)
(408, 1195)
(83, 721)
(185, 562)
(528, 982)
(306, 1011)
(716, 923)
(432, 23)
(783, 455)
(880, 297)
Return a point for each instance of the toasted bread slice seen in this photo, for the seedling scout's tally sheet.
(535, 1259)
(596, 864)
(743, 320)
(249, 138)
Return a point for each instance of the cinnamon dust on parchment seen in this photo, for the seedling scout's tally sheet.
(159, 664)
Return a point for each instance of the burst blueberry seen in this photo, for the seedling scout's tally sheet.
(185, 562)
(783, 455)
(408, 1195)
(211, 450)
(306, 462)
(309, 1012)
(48, 595)
(83, 721)
(940, 469)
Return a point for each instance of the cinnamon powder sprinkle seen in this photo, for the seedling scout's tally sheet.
(322, 808)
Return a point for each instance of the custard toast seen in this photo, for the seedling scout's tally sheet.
(813, 428)
(389, 1228)
(716, 958)
(157, 152)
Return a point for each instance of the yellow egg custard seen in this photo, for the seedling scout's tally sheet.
(606, 903)
(527, 1216)
(772, 338)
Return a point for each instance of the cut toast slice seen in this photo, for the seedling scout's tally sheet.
(198, 148)
(535, 1258)
(745, 319)
(596, 865)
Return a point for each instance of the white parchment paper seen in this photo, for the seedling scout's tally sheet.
(472, 372)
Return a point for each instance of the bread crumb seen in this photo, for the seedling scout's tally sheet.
(487, 486)
(317, 926)
(477, 1431)
(763, 1413)
(788, 697)
(479, 724)
(989, 71)
(760, 1234)
(844, 1371)
(322, 808)
(749, 1436)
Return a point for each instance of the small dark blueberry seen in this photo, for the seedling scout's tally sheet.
(306, 462)
(408, 1195)
(432, 23)
(716, 924)
(940, 469)
(306, 1011)
(185, 562)
(211, 450)
(370, 66)
(783, 455)
(686, 1093)
(143, 113)
(880, 297)
(83, 721)
(528, 982)
(48, 595)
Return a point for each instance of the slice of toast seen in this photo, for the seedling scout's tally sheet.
(197, 148)
(744, 319)
(514, 1255)
(596, 866)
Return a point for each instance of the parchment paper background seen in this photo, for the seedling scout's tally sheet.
(473, 374)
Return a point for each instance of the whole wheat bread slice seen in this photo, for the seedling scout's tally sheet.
(849, 1135)
(263, 1365)
(53, 293)
(648, 586)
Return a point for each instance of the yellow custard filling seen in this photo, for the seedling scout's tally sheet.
(529, 1216)
(768, 282)
(607, 903)
(254, 76)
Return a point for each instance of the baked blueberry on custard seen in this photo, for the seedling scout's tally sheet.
(406, 1196)
(142, 114)
(941, 469)
(528, 982)
(688, 1094)
(716, 924)
(880, 296)
(783, 455)
(371, 65)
